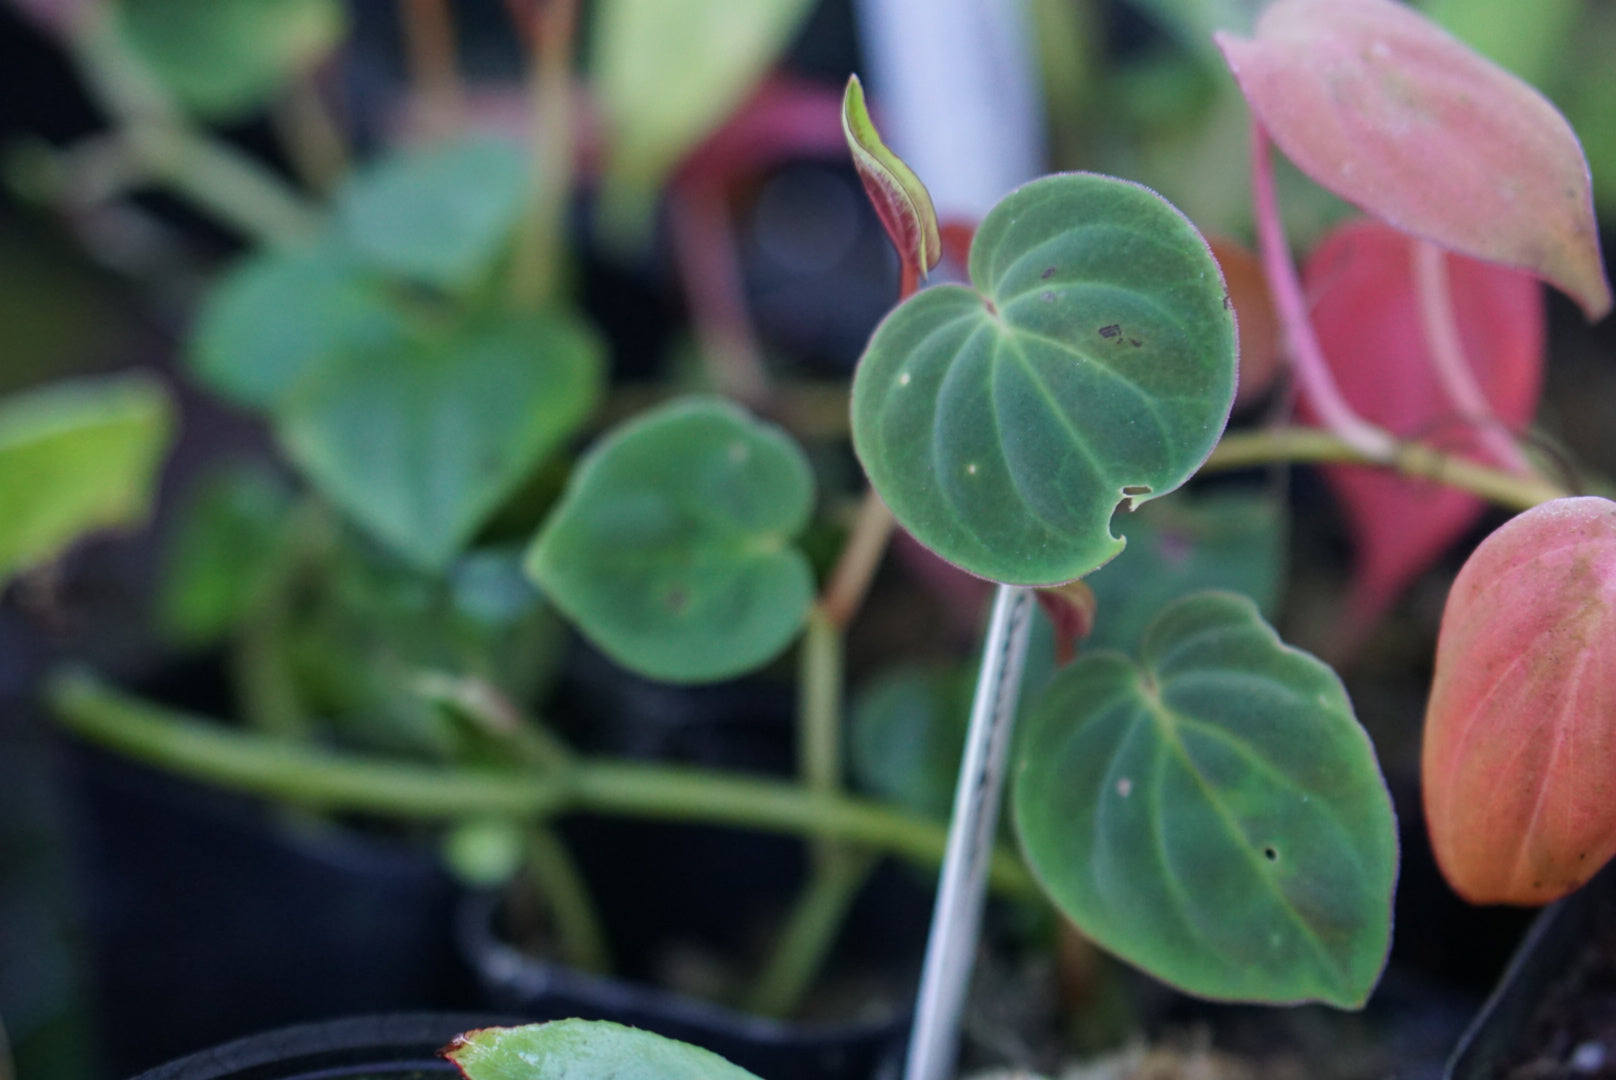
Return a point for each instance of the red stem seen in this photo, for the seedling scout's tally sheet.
(1313, 376)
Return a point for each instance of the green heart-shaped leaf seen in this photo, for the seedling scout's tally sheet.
(420, 441)
(1214, 814)
(223, 58)
(584, 1050)
(76, 456)
(671, 548)
(1093, 364)
(280, 315)
(436, 215)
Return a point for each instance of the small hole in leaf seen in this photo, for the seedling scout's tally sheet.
(1271, 853)
(1133, 491)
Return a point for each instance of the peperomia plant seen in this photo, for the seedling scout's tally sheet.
(1192, 793)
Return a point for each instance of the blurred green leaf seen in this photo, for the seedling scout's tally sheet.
(672, 547)
(907, 735)
(437, 215)
(224, 554)
(1528, 39)
(223, 58)
(1213, 814)
(584, 1050)
(279, 315)
(1229, 541)
(1192, 22)
(77, 456)
(420, 443)
(666, 76)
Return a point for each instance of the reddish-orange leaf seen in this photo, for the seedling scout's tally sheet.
(1519, 762)
(1389, 111)
(1070, 608)
(1365, 309)
(1254, 317)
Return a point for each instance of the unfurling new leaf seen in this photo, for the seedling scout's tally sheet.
(900, 199)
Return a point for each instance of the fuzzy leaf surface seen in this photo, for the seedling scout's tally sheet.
(1213, 814)
(1366, 311)
(419, 441)
(1092, 364)
(436, 215)
(1520, 729)
(672, 547)
(1389, 111)
(584, 1050)
(76, 456)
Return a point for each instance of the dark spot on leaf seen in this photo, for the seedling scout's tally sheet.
(676, 600)
(1271, 853)
(989, 305)
(1112, 331)
(1135, 342)
(1228, 303)
(1133, 490)
(1047, 274)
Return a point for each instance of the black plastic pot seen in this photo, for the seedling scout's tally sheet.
(396, 1046)
(208, 917)
(854, 1049)
(1553, 1013)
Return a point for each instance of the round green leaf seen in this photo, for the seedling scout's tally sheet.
(671, 548)
(1213, 814)
(906, 736)
(76, 456)
(436, 215)
(1234, 541)
(584, 1050)
(281, 314)
(224, 58)
(419, 441)
(1092, 365)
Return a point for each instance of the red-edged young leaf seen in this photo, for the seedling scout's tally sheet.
(1365, 309)
(900, 199)
(1070, 608)
(1520, 731)
(1255, 319)
(1389, 111)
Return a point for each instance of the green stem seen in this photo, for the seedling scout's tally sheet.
(811, 930)
(228, 184)
(269, 698)
(578, 927)
(204, 750)
(819, 749)
(1414, 460)
(536, 260)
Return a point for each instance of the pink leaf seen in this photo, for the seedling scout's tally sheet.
(1519, 761)
(1387, 110)
(1365, 308)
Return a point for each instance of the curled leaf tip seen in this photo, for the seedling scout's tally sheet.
(899, 198)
